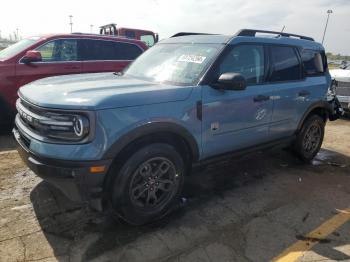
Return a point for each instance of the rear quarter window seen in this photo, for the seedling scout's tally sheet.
(314, 62)
(108, 50)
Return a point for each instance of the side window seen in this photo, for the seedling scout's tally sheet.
(59, 50)
(285, 64)
(313, 62)
(46, 51)
(148, 39)
(247, 60)
(100, 50)
(126, 51)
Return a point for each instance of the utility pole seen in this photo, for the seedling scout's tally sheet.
(91, 26)
(17, 36)
(71, 23)
(325, 28)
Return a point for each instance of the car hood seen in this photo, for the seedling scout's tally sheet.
(340, 74)
(99, 91)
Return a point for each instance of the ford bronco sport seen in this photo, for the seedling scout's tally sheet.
(127, 141)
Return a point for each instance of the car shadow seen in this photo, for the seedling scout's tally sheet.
(7, 142)
(91, 235)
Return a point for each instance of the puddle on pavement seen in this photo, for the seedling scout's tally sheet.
(325, 157)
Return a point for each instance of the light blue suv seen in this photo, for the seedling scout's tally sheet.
(127, 141)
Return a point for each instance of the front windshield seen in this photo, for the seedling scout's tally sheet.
(175, 63)
(17, 47)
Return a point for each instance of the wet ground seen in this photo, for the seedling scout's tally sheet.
(264, 206)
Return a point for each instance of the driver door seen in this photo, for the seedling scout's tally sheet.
(59, 57)
(233, 119)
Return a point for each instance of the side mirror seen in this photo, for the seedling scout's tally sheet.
(231, 81)
(31, 56)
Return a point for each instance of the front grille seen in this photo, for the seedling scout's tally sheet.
(343, 88)
(26, 141)
(30, 115)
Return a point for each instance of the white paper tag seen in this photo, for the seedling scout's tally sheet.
(192, 59)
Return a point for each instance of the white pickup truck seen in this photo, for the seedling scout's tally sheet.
(342, 76)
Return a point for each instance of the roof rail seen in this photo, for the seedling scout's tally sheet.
(189, 33)
(252, 32)
(107, 36)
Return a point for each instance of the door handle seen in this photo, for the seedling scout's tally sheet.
(261, 98)
(304, 93)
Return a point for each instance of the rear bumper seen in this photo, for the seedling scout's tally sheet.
(73, 178)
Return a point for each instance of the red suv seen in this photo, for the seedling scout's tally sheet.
(38, 57)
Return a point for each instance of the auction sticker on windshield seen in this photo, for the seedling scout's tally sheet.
(192, 59)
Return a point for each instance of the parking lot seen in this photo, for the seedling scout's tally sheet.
(264, 206)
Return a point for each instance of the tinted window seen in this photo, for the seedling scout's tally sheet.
(59, 50)
(247, 60)
(108, 50)
(285, 64)
(313, 62)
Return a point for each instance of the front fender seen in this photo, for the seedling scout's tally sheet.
(150, 128)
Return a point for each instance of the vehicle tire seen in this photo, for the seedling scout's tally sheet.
(148, 184)
(310, 138)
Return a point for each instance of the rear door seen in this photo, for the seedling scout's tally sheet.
(59, 57)
(291, 90)
(107, 55)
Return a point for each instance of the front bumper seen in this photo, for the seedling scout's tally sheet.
(73, 178)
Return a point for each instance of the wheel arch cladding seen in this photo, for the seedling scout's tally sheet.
(321, 108)
(155, 132)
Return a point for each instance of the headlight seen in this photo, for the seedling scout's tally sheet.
(57, 125)
(65, 127)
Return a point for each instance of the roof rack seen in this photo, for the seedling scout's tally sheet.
(99, 35)
(252, 32)
(189, 33)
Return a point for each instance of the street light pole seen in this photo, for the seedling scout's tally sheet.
(325, 28)
(91, 26)
(71, 23)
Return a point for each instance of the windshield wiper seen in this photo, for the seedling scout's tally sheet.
(118, 73)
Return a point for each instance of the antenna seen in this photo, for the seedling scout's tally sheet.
(71, 23)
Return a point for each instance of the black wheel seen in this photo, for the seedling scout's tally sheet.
(148, 184)
(310, 138)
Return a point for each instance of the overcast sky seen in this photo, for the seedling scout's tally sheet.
(307, 17)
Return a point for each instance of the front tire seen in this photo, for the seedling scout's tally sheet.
(148, 184)
(310, 138)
